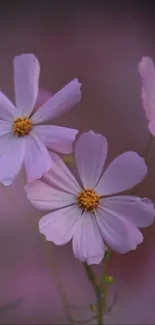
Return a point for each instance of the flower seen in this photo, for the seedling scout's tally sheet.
(22, 140)
(147, 72)
(82, 211)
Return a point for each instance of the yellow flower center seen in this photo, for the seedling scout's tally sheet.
(22, 126)
(88, 199)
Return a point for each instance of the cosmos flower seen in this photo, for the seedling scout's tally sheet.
(147, 73)
(84, 211)
(22, 139)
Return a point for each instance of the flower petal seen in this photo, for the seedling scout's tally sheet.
(117, 232)
(90, 155)
(123, 173)
(88, 245)
(37, 158)
(147, 73)
(59, 226)
(59, 103)
(44, 197)
(60, 176)
(140, 212)
(7, 110)
(5, 127)
(57, 138)
(11, 157)
(26, 75)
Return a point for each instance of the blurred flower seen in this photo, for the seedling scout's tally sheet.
(147, 73)
(82, 212)
(21, 138)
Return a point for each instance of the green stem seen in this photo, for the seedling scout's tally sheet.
(92, 278)
(98, 291)
(105, 272)
(100, 311)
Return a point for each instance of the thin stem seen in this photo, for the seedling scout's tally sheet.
(98, 291)
(92, 278)
(105, 288)
(100, 311)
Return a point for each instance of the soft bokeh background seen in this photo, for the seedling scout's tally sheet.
(101, 43)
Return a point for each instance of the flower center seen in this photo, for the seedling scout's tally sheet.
(88, 199)
(22, 126)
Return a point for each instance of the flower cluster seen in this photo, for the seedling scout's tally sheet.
(89, 210)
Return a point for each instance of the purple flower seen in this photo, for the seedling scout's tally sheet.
(22, 140)
(82, 211)
(147, 73)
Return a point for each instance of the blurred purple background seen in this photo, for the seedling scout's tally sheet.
(101, 43)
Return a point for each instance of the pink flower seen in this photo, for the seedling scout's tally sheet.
(22, 140)
(82, 212)
(147, 73)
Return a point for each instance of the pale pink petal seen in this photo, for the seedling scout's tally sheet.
(11, 158)
(117, 232)
(26, 76)
(57, 138)
(88, 245)
(7, 110)
(60, 176)
(125, 171)
(59, 103)
(43, 96)
(152, 127)
(147, 73)
(5, 143)
(138, 211)
(5, 127)
(90, 155)
(59, 226)
(37, 158)
(45, 197)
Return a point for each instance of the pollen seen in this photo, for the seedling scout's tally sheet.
(88, 199)
(22, 126)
